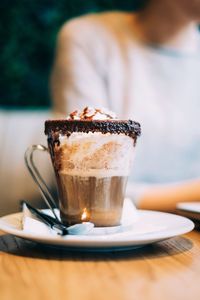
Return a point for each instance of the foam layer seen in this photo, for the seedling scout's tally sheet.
(94, 154)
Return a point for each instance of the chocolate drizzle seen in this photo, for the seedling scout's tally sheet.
(67, 127)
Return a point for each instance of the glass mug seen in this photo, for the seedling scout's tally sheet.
(91, 169)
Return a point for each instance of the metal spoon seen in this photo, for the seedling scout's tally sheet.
(55, 224)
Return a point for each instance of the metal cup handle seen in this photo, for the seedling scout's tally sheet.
(35, 174)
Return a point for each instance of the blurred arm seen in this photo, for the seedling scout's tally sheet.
(165, 197)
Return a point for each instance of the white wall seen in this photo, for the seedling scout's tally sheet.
(18, 130)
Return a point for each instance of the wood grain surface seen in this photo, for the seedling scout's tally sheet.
(166, 270)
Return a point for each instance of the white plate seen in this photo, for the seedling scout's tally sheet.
(148, 227)
(189, 209)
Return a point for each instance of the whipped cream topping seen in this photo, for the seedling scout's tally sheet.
(95, 154)
(90, 113)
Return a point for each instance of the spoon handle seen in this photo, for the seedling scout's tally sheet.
(48, 220)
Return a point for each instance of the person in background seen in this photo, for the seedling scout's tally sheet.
(143, 66)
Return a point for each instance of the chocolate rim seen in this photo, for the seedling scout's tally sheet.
(67, 127)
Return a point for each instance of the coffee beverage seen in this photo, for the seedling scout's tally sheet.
(98, 200)
(92, 154)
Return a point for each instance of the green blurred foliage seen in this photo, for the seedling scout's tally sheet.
(28, 34)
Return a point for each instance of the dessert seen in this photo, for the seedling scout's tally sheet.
(92, 153)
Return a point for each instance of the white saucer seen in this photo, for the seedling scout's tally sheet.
(148, 227)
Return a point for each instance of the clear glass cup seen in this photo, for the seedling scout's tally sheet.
(91, 165)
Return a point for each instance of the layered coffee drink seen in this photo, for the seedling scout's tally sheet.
(92, 153)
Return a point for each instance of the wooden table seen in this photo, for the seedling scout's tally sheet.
(166, 270)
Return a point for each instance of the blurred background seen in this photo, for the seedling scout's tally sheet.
(28, 36)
